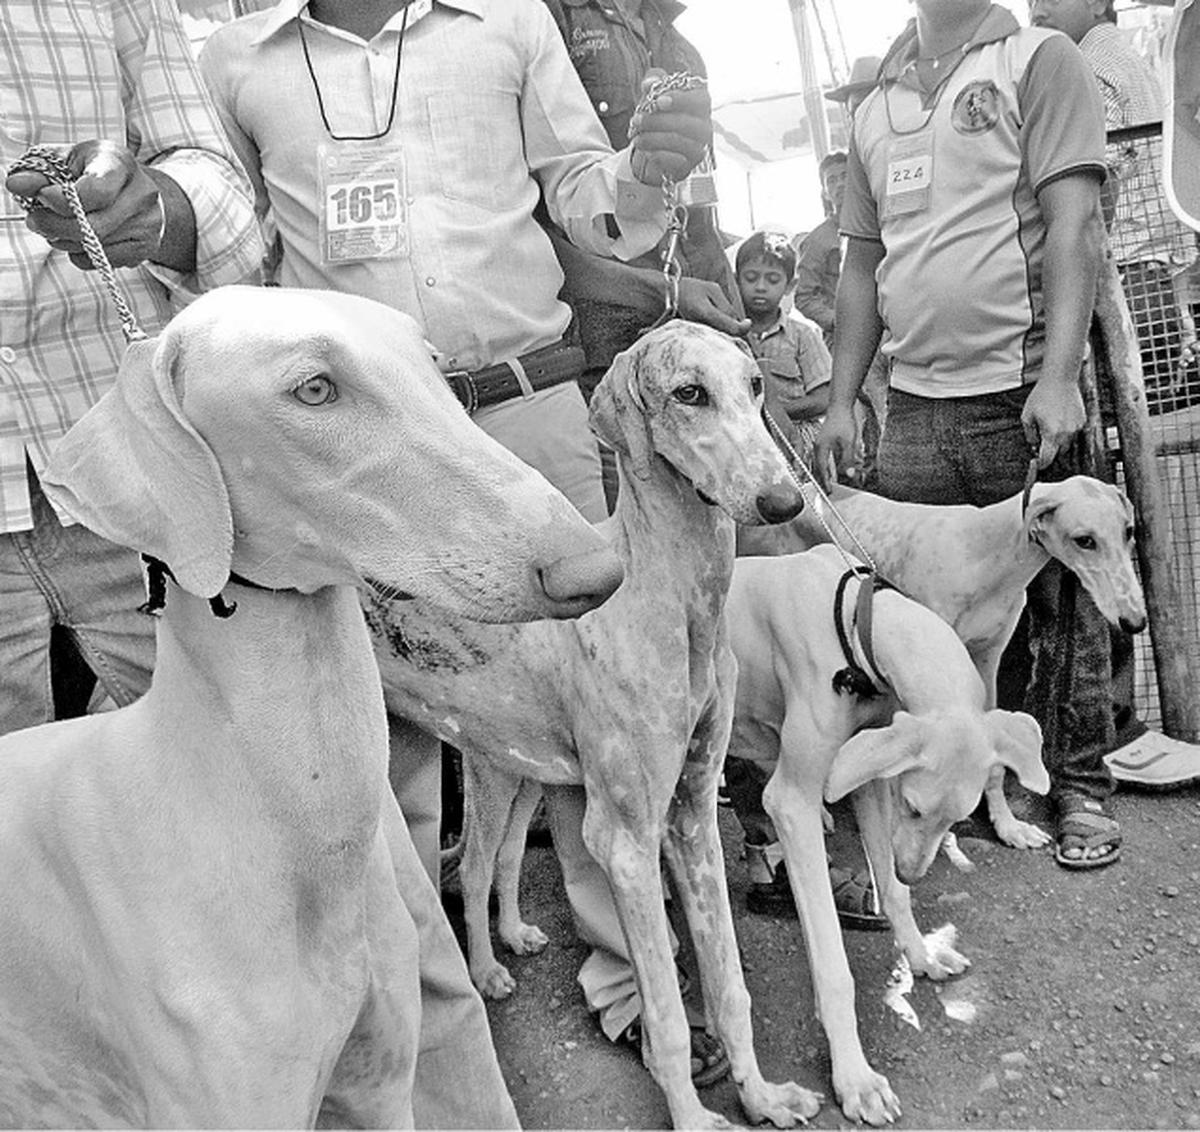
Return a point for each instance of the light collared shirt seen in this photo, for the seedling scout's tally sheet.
(795, 352)
(72, 71)
(489, 114)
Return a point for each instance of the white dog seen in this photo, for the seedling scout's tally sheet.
(916, 756)
(201, 922)
(972, 565)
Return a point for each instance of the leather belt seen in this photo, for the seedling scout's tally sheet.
(548, 366)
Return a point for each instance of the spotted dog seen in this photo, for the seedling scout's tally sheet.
(633, 700)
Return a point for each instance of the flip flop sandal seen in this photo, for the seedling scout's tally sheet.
(710, 1062)
(1083, 824)
(1152, 762)
(854, 897)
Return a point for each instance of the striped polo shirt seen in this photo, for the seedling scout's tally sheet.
(948, 180)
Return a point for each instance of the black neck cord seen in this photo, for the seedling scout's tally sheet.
(312, 74)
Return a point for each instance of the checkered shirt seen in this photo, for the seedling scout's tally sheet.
(70, 71)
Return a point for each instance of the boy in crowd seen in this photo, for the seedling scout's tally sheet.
(791, 352)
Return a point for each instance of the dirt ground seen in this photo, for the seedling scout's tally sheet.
(1081, 1008)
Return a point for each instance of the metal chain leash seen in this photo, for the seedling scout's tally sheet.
(793, 462)
(676, 210)
(52, 165)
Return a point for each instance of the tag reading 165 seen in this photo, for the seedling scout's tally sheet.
(358, 205)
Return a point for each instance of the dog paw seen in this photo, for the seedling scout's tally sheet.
(1022, 834)
(784, 1105)
(494, 981)
(955, 855)
(936, 958)
(870, 1100)
(528, 939)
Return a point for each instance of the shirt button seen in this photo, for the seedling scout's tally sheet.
(602, 106)
(430, 281)
(8, 354)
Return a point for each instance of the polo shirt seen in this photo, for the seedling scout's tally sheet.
(959, 284)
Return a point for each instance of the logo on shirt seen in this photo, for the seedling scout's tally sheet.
(977, 108)
(586, 42)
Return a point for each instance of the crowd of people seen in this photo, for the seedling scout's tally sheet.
(507, 172)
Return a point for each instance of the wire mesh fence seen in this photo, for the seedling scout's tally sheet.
(1157, 259)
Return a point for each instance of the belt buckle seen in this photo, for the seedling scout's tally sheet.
(464, 388)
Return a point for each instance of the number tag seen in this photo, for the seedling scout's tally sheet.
(909, 176)
(700, 185)
(363, 214)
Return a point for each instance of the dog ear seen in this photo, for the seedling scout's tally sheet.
(618, 413)
(1018, 742)
(136, 472)
(876, 752)
(1038, 516)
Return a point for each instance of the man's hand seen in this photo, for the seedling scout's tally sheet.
(1052, 416)
(121, 198)
(837, 445)
(703, 301)
(671, 138)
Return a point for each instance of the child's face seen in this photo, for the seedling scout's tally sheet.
(762, 284)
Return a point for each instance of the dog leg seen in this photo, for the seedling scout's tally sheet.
(794, 804)
(693, 850)
(873, 808)
(1009, 828)
(628, 848)
(520, 938)
(372, 1083)
(488, 798)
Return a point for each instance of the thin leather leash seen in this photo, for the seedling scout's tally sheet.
(853, 679)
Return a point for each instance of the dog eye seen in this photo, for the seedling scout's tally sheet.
(1129, 533)
(691, 395)
(1085, 542)
(756, 387)
(910, 810)
(317, 390)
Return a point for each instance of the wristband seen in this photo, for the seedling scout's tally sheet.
(162, 226)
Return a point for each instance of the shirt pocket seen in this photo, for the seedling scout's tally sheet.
(59, 96)
(477, 147)
(786, 371)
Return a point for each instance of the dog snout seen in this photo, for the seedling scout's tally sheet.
(578, 582)
(779, 502)
(1133, 624)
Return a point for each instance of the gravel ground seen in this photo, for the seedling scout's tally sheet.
(1081, 1008)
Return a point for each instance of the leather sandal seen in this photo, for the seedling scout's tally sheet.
(854, 897)
(710, 1062)
(1083, 825)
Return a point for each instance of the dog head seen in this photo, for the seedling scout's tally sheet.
(304, 439)
(691, 397)
(1088, 526)
(937, 766)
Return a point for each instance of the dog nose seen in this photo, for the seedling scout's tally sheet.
(1133, 624)
(576, 583)
(779, 502)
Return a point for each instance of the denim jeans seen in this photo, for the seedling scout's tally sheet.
(68, 576)
(973, 450)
